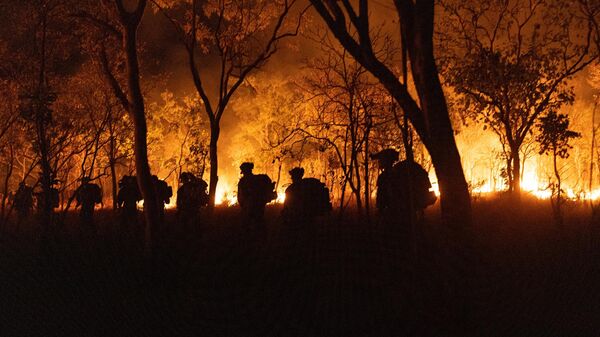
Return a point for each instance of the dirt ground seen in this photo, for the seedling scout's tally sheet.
(520, 275)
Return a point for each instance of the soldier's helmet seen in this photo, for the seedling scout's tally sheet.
(386, 157)
(246, 167)
(185, 177)
(124, 181)
(297, 173)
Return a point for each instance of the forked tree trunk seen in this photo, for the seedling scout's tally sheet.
(439, 138)
(47, 209)
(9, 171)
(516, 174)
(557, 209)
(215, 131)
(137, 111)
(113, 170)
(114, 184)
(367, 177)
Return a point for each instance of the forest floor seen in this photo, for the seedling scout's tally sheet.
(520, 276)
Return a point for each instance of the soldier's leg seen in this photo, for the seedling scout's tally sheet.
(92, 224)
(84, 223)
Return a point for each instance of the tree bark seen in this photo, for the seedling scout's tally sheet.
(558, 210)
(114, 184)
(137, 111)
(112, 163)
(9, 171)
(367, 177)
(46, 181)
(439, 138)
(516, 173)
(215, 131)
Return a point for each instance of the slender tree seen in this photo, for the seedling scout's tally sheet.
(133, 101)
(241, 36)
(553, 139)
(511, 63)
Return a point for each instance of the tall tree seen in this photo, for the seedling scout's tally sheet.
(511, 63)
(428, 112)
(38, 54)
(241, 36)
(130, 96)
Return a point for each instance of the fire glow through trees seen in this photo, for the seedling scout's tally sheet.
(299, 167)
(287, 94)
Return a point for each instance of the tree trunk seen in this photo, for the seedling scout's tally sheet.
(437, 133)
(357, 186)
(558, 210)
(9, 170)
(509, 173)
(113, 170)
(215, 131)
(367, 177)
(114, 184)
(46, 211)
(137, 111)
(440, 142)
(592, 152)
(516, 173)
(343, 197)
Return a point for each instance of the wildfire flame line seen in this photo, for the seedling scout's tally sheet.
(226, 194)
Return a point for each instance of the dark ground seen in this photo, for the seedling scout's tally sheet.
(521, 277)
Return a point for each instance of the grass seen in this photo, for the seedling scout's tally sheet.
(521, 276)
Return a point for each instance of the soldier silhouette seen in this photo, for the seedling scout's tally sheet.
(254, 192)
(415, 180)
(127, 198)
(87, 196)
(385, 196)
(305, 198)
(191, 195)
(293, 205)
(23, 201)
(164, 192)
(54, 198)
(403, 189)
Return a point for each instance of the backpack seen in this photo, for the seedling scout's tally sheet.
(316, 196)
(200, 186)
(97, 194)
(406, 173)
(264, 188)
